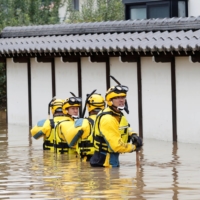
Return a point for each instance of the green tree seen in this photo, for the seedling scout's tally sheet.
(29, 12)
(23, 13)
(96, 11)
(2, 85)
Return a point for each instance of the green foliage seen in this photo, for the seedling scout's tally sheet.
(2, 85)
(96, 11)
(29, 12)
(24, 13)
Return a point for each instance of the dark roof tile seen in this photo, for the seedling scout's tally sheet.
(169, 24)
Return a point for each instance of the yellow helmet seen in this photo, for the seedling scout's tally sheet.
(56, 105)
(72, 101)
(95, 102)
(116, 91)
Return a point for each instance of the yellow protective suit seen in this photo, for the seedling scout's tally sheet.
(108, 140)
(46, 128)
(85, 146)
(70, 131)
(61, 145)
(125, 130)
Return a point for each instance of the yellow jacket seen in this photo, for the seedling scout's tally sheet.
(46, 128)
(71, 131)
(108, 140)
(125, 130)
(85, 146)
(61, 145)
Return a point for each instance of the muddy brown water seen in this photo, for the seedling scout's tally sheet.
(167, 171)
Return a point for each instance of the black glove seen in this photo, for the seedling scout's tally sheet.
(137, 141)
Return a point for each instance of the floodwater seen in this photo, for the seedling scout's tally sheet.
(166, 171)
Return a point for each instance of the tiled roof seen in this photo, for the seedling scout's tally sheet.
(166, 24)
(175, 34)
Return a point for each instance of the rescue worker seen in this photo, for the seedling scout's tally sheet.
(69, 131)
(46, 128)
(85, 148)
(109, 140)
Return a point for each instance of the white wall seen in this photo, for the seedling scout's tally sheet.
(17, 93)
(66, 79)
(193, 8)
(41, 86)
(126, 74)
(18, 135)
(188, 100)
(93, 77)
(156, 97)
(156, 92)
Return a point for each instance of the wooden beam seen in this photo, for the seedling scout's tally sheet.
(162, 59)
(139, 84)
(29, 92)
(6, 94)
(53, 76)
(2, 60)
(79, 82)
(20, 59)
(195, 58)
(173, 90)
(70, 58)
(129, 58)
(107, 73)
(44, 59)
(99, 58)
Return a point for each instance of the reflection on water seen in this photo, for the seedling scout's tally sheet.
(167, 171)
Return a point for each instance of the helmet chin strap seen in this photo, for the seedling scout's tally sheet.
(75, 116)
(120, 108)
